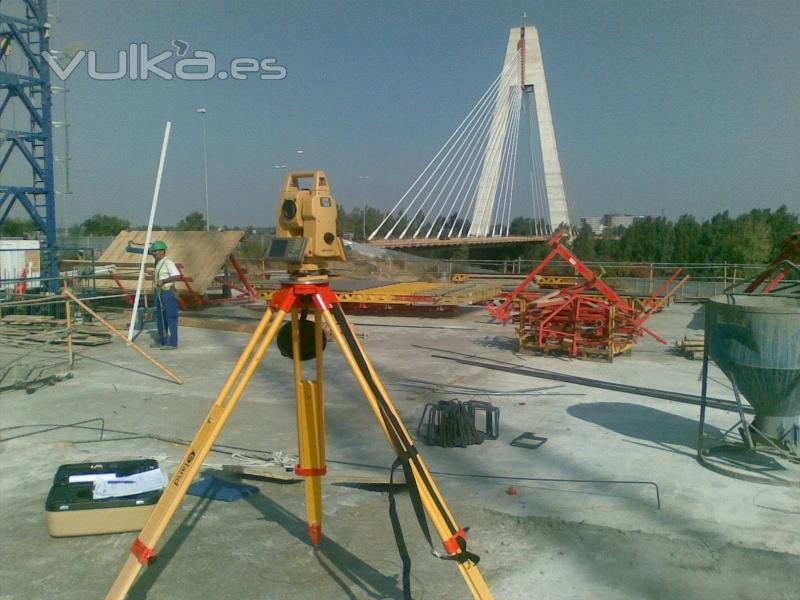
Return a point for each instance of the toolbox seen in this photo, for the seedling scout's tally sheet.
(72, 508)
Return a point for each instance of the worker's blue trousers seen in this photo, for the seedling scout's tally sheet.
(167, 309)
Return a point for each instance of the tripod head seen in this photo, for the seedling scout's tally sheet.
(305, 231)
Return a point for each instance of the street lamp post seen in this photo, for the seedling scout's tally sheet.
(364, 215)
(203, 112)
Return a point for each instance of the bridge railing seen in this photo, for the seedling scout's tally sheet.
(640, 278)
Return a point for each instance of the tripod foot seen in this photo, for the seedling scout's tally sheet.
(315, 533)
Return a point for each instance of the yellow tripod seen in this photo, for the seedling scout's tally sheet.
(306, 295)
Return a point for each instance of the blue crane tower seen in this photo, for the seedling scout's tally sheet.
(25, 31)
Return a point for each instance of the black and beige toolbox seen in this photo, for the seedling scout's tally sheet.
(72, 508)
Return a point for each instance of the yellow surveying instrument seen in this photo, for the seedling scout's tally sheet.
(306, 219)
(305, 239)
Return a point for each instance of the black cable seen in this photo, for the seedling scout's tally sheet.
(218, 448)
(721, 404)
(406, 454)
(54, 427)
(407, 445)
(518, 478)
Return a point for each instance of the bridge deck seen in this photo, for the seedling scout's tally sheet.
(458, 241)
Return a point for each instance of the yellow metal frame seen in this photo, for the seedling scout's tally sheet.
(415, 293)
(311, 440)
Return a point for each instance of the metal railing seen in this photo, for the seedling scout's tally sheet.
(706, 279)
(22, 279)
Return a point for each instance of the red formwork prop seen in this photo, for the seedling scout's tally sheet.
(778, 269)
(22, 283)
(589, 319)
(192, 298)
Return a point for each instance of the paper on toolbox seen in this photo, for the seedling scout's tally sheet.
(90, 477)
(129, 485)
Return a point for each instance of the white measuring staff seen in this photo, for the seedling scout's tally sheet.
(149, 230)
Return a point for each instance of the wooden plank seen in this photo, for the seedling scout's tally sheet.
(202, 253)
(119, 334)
(220, 325)
(20, 329)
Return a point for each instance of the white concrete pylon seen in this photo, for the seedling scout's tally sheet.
(523, 46)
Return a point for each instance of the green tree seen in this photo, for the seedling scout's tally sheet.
(753, 241)
(782, 224)
(374, 218)
(688, 241)
(584, 243)
(350, 221)
(460, 253)
(194, 221)
(103, 225)
(650, 239)
(17, 228)
(526, 226)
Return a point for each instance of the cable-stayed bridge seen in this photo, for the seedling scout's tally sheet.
(464, 194)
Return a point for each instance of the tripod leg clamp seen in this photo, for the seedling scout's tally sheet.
(310, 471)
(142, 553)
(457, 543)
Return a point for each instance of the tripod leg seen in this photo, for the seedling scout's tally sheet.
(143, 549)
(453, 537)
(310, 432)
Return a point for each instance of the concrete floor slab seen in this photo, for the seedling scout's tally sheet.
(712, 537)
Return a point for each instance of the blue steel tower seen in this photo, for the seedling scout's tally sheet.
(29, 145)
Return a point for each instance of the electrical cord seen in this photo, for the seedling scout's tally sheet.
(286, 460)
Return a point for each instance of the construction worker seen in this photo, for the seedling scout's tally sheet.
(166, 307)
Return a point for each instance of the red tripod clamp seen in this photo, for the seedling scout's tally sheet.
(295, 294)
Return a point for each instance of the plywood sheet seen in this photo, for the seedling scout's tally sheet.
(202, 254)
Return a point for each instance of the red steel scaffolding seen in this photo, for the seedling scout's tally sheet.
(587, 319)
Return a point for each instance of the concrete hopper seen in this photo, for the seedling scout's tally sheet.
(755, 340)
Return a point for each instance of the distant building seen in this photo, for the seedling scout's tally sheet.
(610, 221)
(618, 220)
(596, 223)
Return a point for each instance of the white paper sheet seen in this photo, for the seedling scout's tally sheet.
(90, 477)
(129, 485)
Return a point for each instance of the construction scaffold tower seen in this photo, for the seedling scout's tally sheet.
(26, 130)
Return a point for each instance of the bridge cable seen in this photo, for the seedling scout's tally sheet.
(488, 94)
(470, 166)
(506, 206)
(500, 196)
(470, 154)
(497, 136)
(537, 161)
(460, 153)
(427, 181)
(514, 163)
(491, 136)
(435, 185)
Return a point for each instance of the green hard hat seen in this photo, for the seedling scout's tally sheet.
(158, 245)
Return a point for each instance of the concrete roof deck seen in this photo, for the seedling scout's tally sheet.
(714, 536)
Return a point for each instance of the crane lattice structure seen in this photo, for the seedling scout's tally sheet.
(25, 89)
(464, 194)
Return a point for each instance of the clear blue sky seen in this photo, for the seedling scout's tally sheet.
(680, 106)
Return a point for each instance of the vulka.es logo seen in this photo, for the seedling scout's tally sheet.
(136, 63)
